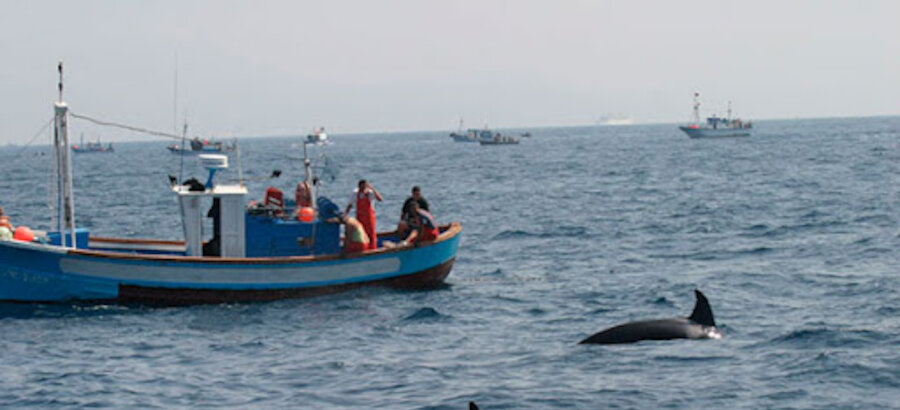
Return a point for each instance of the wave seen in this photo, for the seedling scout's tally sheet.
(716, 255)
(556, 232)
(425, 314)
(828, 337)
(766, 231)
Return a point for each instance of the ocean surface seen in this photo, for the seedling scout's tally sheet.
(792, 234)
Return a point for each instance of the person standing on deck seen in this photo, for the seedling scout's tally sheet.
(363, 198)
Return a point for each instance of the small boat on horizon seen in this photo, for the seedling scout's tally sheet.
(471, 134)
(499, 139)
(92, 146)
(204, 146)
(716, 127)
(318, 137)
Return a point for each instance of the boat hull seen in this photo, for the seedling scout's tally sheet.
(33, 272)
(189, 151)
(430, 278)
(715, 132)
(462, 138)
(491, 142)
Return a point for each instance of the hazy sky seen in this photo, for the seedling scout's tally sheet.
(284, 67)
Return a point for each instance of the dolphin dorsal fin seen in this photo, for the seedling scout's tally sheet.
(702, 313)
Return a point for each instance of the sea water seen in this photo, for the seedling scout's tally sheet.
(792, 234)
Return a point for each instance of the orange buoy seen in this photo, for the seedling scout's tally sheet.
(306, 214)
(23, 233)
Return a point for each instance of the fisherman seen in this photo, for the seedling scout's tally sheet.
(363, 198)
(424, 227)
(6, 228)
(407, 213)
(355, 238)
(303, 195)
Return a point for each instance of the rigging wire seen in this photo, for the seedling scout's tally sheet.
(126, 127)
(33, 139)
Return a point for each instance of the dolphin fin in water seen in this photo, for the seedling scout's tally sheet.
(702, 313)
(699, 325)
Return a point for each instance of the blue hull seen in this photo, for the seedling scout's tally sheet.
(33, 272)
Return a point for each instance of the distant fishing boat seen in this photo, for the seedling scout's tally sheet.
(318, 137)
(92, 147)
(499, 139)
(716, 127)
(198, 146)
(469, 135)
(269, 251)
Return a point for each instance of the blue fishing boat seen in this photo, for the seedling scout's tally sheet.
(716, 127)
(257, 253)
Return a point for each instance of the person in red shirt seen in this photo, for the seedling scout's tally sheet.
(364, 197)
(423, 226)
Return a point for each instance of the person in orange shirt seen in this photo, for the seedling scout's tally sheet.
(363, 198)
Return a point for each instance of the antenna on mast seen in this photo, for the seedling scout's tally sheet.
(175, 98)
(60, 69)
(696, 107)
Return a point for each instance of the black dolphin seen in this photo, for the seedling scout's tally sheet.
(699, 325)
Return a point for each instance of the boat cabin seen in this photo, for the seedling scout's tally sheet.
(260, 230)
(268, 229)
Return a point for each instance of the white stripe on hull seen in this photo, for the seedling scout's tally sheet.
(189, 274)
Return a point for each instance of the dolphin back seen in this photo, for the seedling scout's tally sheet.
(657, 329)
(697, 326)
(702, 313)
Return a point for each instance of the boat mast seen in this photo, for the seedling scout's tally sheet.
(729, 110)
(696, 107)
(66, 199)
(175, 98)
(307, 166)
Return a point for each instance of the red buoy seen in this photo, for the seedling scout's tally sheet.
(306, 214)
(23, 233)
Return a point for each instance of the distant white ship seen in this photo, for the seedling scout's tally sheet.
(616, 120)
